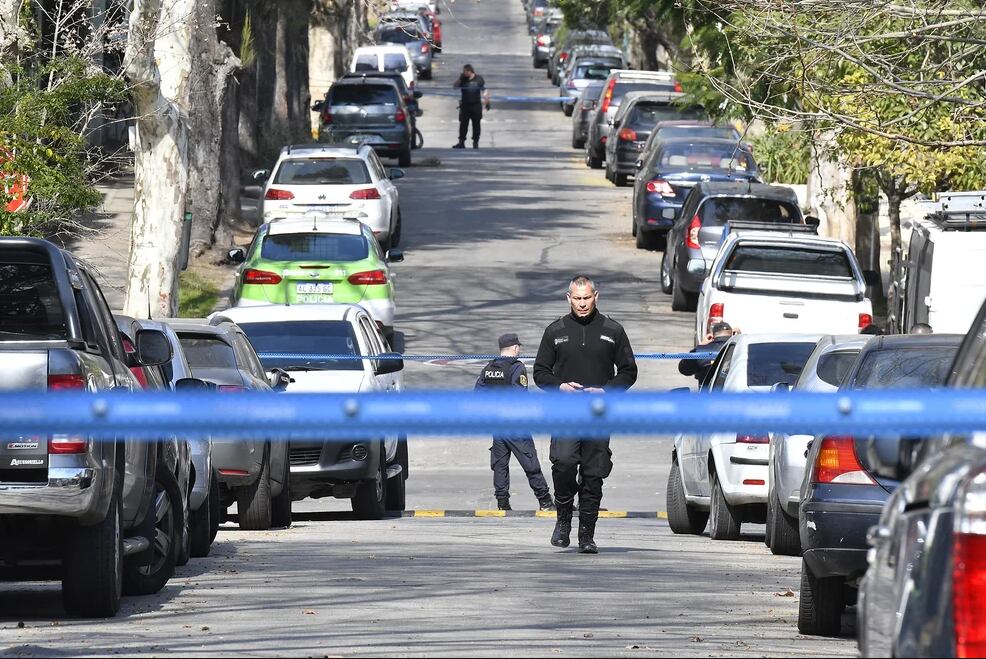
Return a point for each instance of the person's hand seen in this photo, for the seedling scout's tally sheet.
(570, 387)
(594, 390)
(709, 338)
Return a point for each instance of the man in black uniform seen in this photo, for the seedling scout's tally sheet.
(506, 371)
(583, 352)
(474, 95)
(714, 342)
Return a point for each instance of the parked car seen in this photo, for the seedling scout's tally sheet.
(384, 58)
(541, 38)
(696, 234)
(665, 178)
(584, 70)
(410, 96)
(339, 182)
(252, 471)
(582, 110)
(316, 261)
(369, 471)
(922, 593)
(772, 281)
(562, 49)
(412, 37)
(66, 500)
(432, 5)
(619, 83)
(369, 111)
(434, 28)
(690, 129)
(826, 368)
(724, 475)
(843, 493)
(536, 9)
(632, 125)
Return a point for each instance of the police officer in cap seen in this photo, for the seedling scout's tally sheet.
(508, 372)
(474, 97)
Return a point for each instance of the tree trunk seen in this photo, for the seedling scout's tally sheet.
(158, 66)
(10, 34)
(868, 242)
(830, 189)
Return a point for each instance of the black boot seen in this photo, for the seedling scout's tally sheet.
(546, 502)
(563, 525)
(587, 529)
(503, 503)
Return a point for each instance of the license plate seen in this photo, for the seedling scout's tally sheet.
(312, 288)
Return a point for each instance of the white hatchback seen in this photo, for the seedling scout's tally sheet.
(385, 58)
(341, 182)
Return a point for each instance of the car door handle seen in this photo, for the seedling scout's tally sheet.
(792, 316)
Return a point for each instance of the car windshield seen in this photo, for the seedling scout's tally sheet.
(405, 34)
(593, 71)
(621, 89)
(914, 367)
(295, 345)
(785, 260)
(29, 304)
(207, 351)
(833, 367)
(323, 171)
(314, 247)
(645, 115)
(367, 62)
(363, 95)
(394, 62)
(770, 363)
(716, 211)
(705, 157)
(693, 132)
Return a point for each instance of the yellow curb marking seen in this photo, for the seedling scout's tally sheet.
(491, 513)
(429, 513)
(612, 513)
(545, 513)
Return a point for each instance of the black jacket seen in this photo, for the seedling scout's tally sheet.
(700, 367)
(501, 373)
(595, 352)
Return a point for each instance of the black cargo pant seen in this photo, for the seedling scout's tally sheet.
(470, 112)
(523, 448)
(572, 455)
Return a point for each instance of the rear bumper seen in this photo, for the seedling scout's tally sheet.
(691, 274)
(736, 465)
(834, 537)
(626, 159)
(658, 213)
(237, 462)
(395, 139)
(72, 492)
(318, 467)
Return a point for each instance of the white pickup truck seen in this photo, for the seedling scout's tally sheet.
(772, 282)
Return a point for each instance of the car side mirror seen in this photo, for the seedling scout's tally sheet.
(418, 94)
(393, 362)
(395, 256)
(236, 255)
(681, 390)
(872, 278)
(398, 342)
(153, 347)
(396, 173)
(892, 457)
(192, 385)
(813, 221)
(280, 379)
(781, 387)
(261, 175)
(317, 106)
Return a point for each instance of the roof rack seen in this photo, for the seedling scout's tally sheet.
(774, 227)
(958, 211)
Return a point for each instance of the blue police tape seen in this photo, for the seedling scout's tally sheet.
(451, 358)
(348, 416)
(498, 97)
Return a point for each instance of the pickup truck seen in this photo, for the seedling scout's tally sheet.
(771, 282)
(69, 500)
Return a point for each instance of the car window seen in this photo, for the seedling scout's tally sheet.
(621, 89)
(363, 95)
(29, 304)
(593, 71)
(103, 315)
(705, 157)
(645, 115)
(833, 367)
(375, 165)
(770, 363)
(304, 344)
(322, 171)
(724, 366)
(314, 247)
(399, 35)
(697, 132)
(207, 351)
(395, 62)
(905, 368)
(716, 211)
(366, 62)
(774, 259)
(247, 356)
(370, 336)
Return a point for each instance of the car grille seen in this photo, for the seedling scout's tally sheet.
(305, 457)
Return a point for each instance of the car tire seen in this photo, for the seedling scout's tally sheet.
(404, 158)
(185, 543)
(200, 529)
(649, 240)
(426, 74)
(280, 516)
(547, 74)
(253, 502)
(569, 109)
(768, 535)
(92, 566)
(215, 508)
(577, 143)
(592, 162)
(725, 519)
(666, 281)
(821, 604)
(785, 539)
(370, 501)
(395, 237)
(620, 180)
(633, 225)
(149, 571)
(396, 487)
(680, 300)
(682, 518)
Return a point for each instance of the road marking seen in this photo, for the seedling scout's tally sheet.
(429, 513)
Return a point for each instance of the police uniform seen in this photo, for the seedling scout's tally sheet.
(471, 107)
(594, 352)
(510, 373)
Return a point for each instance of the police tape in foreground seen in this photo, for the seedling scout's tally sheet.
(347, 416)
(503, 98)
(344, 357)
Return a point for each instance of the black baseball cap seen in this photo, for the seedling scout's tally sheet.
(508, 340)
(720, 327)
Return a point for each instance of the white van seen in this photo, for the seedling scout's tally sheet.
(385, 58)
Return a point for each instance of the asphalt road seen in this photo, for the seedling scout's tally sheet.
(491, 239)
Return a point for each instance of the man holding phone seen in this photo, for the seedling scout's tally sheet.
(582, 352)
(474, 96)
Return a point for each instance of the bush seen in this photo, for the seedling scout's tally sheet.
(783, 154)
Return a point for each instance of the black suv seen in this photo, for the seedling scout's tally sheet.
(370, 110)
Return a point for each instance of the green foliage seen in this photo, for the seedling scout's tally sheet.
(197, 296)
(783, 154)
(42, 120)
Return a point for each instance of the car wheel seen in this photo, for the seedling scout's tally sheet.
(665, 273)
(426, 74)
(682, 518)
(592, 161)
(569, 109)
(767, 536)
(680, 300)
(253, 502)
(725, 518)
(215, 508)
(148, 572)
(649, 240)
(577, 143)
(404, 159)
(548, 75)
(201, 529)
(371, 495)
(396, 488)
(185, 543)
(92, 567)
(633, 225)
(395, 237)
(620, 180)
(821, 604)
(785, 539)
(280, 517)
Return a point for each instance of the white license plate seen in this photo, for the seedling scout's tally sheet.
(311, 288)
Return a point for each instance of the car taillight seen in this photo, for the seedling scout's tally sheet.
(865, 320)
(368, 278)
(691, 238)
(140, 375)
(365, 193)
(539, 11)
(716, 312)
(604, 139)
(231, 389)
(425, 47)
(251, 276)
(677, 86)
(278, 195)
(752, 439)
(65, 445)
(563, 57)
(570, 85)
(326, 117)
(66, 382)
(608, 95)
(661, 187)
(969, 568)
(628, 134)
(542, 40)
(837, 463)
(400, 117)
